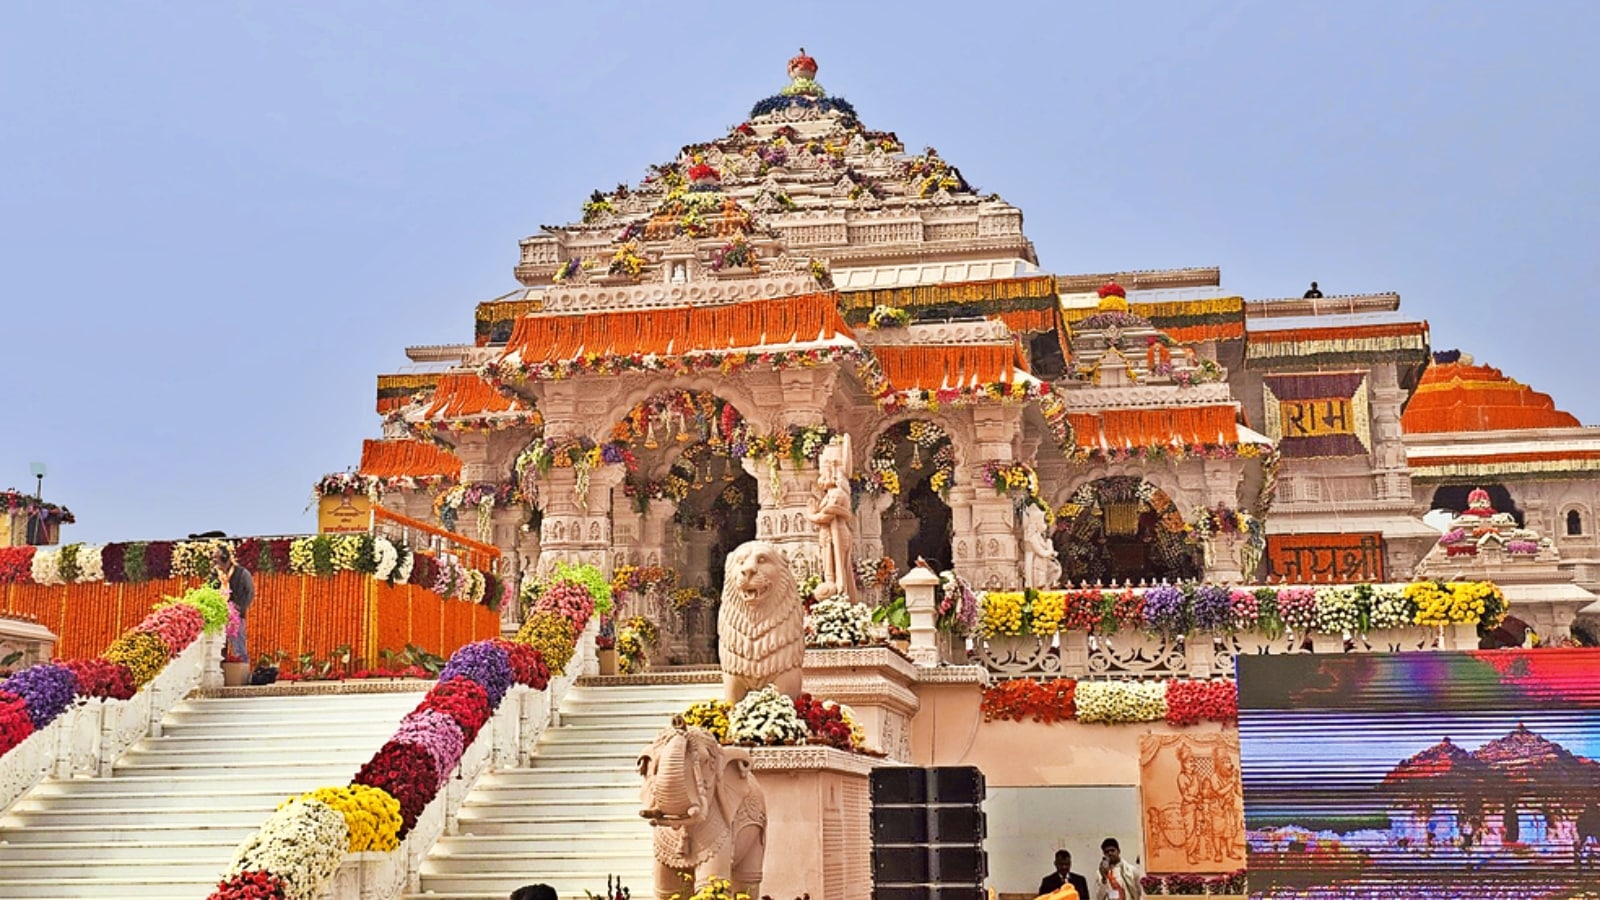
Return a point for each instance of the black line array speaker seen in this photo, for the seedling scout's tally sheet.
(928, 828)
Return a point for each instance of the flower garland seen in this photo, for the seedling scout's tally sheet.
(17, 504)
(1178, 609)
(551, 634)
(485, 663)
(635, 639)
(527, 664)
(482, 497)
(371, 815)
(888, 317)
(301, 845)
(1117, 702)
(957, 611)
(406, 772)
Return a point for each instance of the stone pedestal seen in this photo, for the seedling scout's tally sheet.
(819, 822)
(876, 683)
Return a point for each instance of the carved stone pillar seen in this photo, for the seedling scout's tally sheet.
(1388, 451)
(785, 496)
(574, 531)
(985, 547)
(869, 526)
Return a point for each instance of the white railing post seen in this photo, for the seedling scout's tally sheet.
(921, 586)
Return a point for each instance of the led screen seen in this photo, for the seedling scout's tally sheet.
(1413, 776)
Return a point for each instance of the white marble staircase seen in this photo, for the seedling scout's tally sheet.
(166, 823)
(570, 819)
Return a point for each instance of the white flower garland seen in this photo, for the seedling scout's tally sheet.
(1113, 702)
(46, 567)
(91, 567)
(402, 574)
(766, 717)
(303, 844)
(836, 622)
(386, 557)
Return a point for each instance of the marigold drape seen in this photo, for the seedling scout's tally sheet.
(753, 324)
(1155, 427)
(296, 613)
(466, 394)
(932, 367)
(401, 458)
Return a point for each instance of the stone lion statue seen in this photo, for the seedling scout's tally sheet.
(761, 627)
(706, 809)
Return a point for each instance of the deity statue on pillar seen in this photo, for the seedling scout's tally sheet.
(1041, 569)
(830, 512)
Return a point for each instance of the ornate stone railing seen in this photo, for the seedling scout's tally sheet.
(505, 741)
(88, 739)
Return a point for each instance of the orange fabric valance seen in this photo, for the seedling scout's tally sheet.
(678, 330)
(407, 458)
(930, 368)
(1119, 428)
(466, 394)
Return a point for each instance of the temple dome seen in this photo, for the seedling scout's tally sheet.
(1461, 396)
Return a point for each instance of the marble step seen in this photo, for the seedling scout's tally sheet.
(568, 826)
(342, 761)
(126, 832)
(570, 886)
(306, 778)
(260, 798)
(150, 887)
(194, 815)
(74, 851)
(572, 732)
(478, 810)
(572, 860)
(521, 779)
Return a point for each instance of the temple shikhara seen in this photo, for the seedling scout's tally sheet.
(789, 495)
(661, 387)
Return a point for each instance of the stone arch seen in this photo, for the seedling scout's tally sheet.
(962, 441)
(731, 390)
(1118, 528)
(1575, 521)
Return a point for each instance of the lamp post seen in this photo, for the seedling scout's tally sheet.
(39, 472)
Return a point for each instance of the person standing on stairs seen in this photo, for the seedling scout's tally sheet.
(240, 588)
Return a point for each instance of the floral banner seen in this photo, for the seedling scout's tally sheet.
(1193, 802)
(1318, 414)
(1338, 558)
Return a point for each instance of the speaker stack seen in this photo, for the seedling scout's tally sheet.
(927, 834)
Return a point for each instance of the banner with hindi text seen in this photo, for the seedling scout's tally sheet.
(1318, 413)
(1335, 558)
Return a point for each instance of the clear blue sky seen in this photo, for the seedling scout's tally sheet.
(219, 221)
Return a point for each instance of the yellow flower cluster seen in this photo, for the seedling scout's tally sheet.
(1461, 602)
(712, 715)
(715, 889)
(1049, 608)
(550, 634)
(372, 816)
(142, 652)
(1001, 613)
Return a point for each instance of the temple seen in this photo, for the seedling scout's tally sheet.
(661, 385)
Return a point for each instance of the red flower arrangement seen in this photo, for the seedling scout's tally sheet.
(1082, 610)
(1191, 702)
(249, 886)
(102, 679)
(158, 560)
(1023, 699)
(527, 664)
(177, 626)
(825, 723)
(464, 701)
(408, 773)
(703, 172)
(1112, 289)
(16, 565)
(1127, 609)
(424, 570)
(15, 723)
(113, 562)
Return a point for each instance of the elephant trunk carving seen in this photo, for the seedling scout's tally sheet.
(707, 812)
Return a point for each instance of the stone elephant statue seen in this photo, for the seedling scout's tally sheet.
(707, 812)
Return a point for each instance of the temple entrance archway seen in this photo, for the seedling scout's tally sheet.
(906, 485)
(686, 504)
(1123, 529)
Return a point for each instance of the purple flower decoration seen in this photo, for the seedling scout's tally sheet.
(47, 688)
(484, 663)
(436, 733)
(610, 454)
(1165, 610)
(1213, 609)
